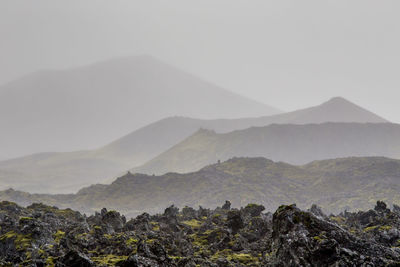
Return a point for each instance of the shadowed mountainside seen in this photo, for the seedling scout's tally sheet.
(296, 144)
(157, 137)
(337, 184)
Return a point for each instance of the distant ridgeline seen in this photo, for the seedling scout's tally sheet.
(88, 106)
(172, 144)
(335, 185)
(295, 144)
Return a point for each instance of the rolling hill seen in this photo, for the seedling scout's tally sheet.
(86, 107)
(67, 172)
(337, 184)
(296, 144)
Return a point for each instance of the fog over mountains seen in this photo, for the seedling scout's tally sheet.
(68, 172)
(157, 137)
(86, 107)
(295, 144)
(199, 133)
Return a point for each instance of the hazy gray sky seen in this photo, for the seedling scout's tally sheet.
(289, 54)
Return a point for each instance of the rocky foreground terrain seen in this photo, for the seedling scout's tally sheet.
(41, 235)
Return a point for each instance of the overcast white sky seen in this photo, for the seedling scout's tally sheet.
(289, 54)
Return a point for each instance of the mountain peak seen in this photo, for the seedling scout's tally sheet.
(339, 109)
(127, 89)
(338, 100)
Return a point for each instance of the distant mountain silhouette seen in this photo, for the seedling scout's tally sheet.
(337, 109)
(295, 144)
(86, 107)
(157, 137)
(67, 172)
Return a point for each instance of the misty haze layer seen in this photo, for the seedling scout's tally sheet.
(289, 53)
(68, 172)
(89, 106)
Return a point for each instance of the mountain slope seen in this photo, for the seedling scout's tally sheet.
(297, 144)
(157, 137)
(85, 107)
(67, 172)
(337, 109)
(347, 183)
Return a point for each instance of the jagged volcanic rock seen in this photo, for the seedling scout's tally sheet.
(40, 235)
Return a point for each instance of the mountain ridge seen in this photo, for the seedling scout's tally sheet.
(295, 144)
(188, 126)
(67, 172)
(335, 184)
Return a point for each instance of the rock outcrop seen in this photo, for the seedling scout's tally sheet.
(40, 235)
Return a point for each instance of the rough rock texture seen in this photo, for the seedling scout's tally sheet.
(41, 235)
